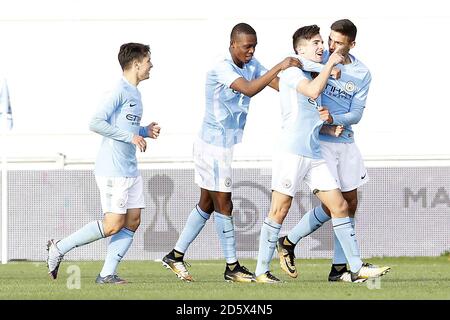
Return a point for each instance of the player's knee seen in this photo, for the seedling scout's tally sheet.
(225, 207)
(111, 229)
(341, 207)
(352, 206)
(230, 206)
(134, 224)
(206, 206)
(137, 223)
(326, 210)
(279, 212)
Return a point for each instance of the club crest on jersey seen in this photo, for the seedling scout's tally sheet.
(227, 182)
(121, 203)
(350, 86)
(286, 183)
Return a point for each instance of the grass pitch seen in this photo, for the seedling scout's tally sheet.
(410, 278)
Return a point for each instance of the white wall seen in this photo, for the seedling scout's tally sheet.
(59, 57)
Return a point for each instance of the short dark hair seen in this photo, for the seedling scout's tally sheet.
(345, 27)
(241, 28)
(304, 33)
(131, 51)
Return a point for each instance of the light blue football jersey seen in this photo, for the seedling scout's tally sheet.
(117, 119)
(346, 97)
(226, 109)
(300, 119)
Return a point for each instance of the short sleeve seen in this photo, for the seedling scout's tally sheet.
(260, 70)
(224, 73)
(292, 76)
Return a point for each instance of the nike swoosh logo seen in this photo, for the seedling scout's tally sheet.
(287, 265)
(352, 235)
(362, 177)
(132, 105)
(225, 231)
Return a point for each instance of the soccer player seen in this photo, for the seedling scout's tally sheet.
(345, 98)
(230, 84)
(118, 179)
(299, 156)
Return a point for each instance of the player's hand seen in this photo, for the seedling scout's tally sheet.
(336, 58)
(139, 142)
(335, 73)
(338, 130)
(153, 130)
(290, 62)
(334, 131)
(325, 115)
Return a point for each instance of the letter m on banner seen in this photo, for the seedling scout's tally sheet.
(5, 107)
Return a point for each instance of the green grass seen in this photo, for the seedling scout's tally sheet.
(410, 278)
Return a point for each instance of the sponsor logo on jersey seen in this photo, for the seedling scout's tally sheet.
(133, 117)
(333, 91)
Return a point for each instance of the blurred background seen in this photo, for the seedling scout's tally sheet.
(60, 57)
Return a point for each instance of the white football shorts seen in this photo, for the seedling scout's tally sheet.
(289, 170)
(212, 166)
(345, 163)
(120, 193)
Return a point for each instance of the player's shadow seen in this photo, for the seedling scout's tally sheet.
(247, 214)
(161, 235)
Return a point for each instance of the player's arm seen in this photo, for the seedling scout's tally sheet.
(347, 119)
(275, 84)
(250, 88)
(313, 88)
(354, 115)
(331, 130)
(311, 66)
(99, 122)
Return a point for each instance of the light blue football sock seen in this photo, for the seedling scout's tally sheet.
(346, 235)
(87, 234)
(117, 248)
(194, 224)
(339, 255)
(225, 231)
(310, 222)
(267, 243)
